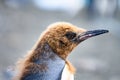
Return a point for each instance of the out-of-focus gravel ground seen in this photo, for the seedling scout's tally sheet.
(97, 58)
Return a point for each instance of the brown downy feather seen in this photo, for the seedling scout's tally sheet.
(54, 36)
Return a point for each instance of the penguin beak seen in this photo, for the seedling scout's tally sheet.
(88, 34)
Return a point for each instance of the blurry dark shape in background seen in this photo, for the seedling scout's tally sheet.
(104, 7)
(22, 21)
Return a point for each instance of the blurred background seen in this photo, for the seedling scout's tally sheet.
(22, 22)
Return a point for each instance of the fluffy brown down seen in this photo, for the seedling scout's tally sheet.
(53, 35)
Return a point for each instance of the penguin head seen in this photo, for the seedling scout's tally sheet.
(63, 37)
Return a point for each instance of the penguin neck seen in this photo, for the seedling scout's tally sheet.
(45, 54)
(42, 64)
(52, 61)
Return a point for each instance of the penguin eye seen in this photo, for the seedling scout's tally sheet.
(70, 35)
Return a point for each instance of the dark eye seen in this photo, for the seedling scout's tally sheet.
(70, 35)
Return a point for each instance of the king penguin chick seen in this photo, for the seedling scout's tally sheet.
(47, 60)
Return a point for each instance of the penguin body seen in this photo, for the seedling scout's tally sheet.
(48, 58)
(49, 67)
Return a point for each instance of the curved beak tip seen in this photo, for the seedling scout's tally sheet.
(96, 32)
(92, 33)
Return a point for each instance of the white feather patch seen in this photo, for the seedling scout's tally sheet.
(66, 74)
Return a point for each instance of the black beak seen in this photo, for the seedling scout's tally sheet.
(91, 33)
